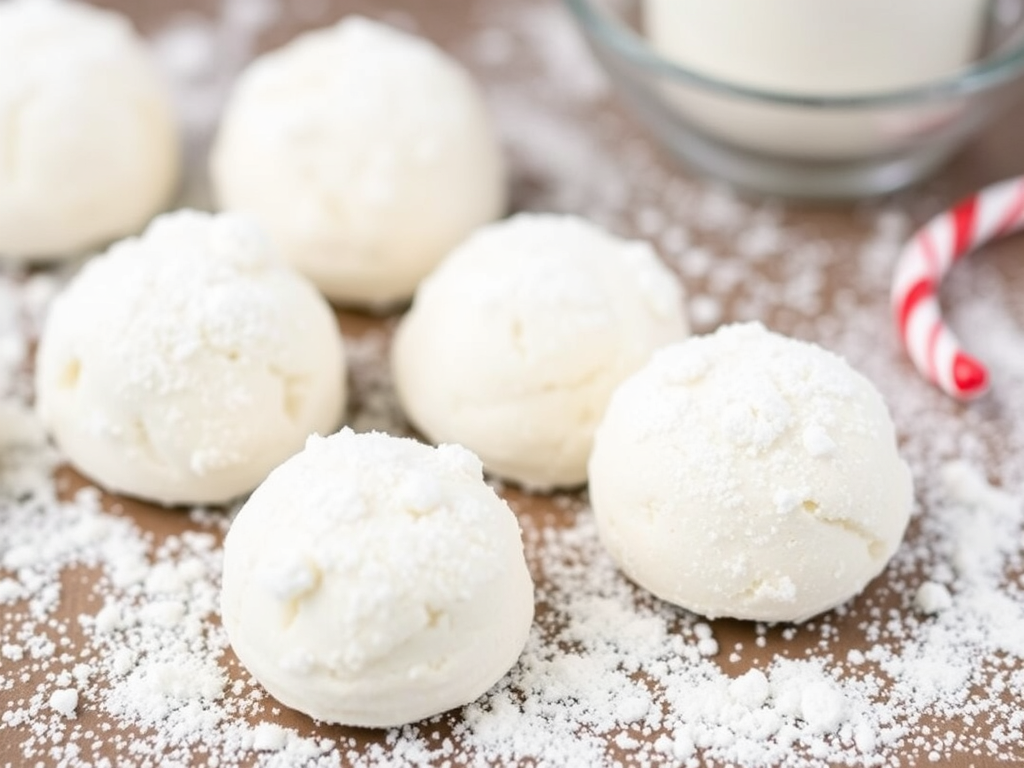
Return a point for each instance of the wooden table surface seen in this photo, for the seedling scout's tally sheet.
(818, 273)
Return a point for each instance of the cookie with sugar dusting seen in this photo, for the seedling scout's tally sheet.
(91, 146)
(374, 581)
(366, 152)
(182, 366)
(749, 475)
(514, 344)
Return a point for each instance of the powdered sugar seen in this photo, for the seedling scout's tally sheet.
(932, 597)
(609, 673)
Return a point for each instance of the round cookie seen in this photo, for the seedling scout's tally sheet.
(366, 153)
(374, 581)
(514, 344)
(184, 365)
(749, 475)
(91, 147)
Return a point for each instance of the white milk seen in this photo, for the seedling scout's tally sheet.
(812, 47)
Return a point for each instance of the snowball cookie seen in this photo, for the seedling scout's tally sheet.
(374, 581)
(514, 345)
(749, 475)
(91, 146)
(366, 153)
(182, 366)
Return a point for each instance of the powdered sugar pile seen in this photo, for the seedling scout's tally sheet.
(109, 636)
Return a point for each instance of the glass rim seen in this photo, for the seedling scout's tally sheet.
(989, 72)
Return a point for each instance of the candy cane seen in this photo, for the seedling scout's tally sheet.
(994, 212)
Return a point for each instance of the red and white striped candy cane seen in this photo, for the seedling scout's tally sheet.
(996, 211)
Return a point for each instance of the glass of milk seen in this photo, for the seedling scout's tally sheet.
(812, 98)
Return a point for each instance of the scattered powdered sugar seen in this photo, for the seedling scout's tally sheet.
(373, 406)
(64, 701)
(200, 57)
(932, 597)
(110, 643)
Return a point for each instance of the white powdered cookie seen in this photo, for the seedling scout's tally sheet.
(749, 475)
(365, 152)
(184, 365)
(515, 343)
(90, 147)
(375, 581)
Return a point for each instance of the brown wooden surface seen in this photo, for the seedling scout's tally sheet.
(456, 24)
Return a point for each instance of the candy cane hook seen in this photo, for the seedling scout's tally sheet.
(994, 212)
